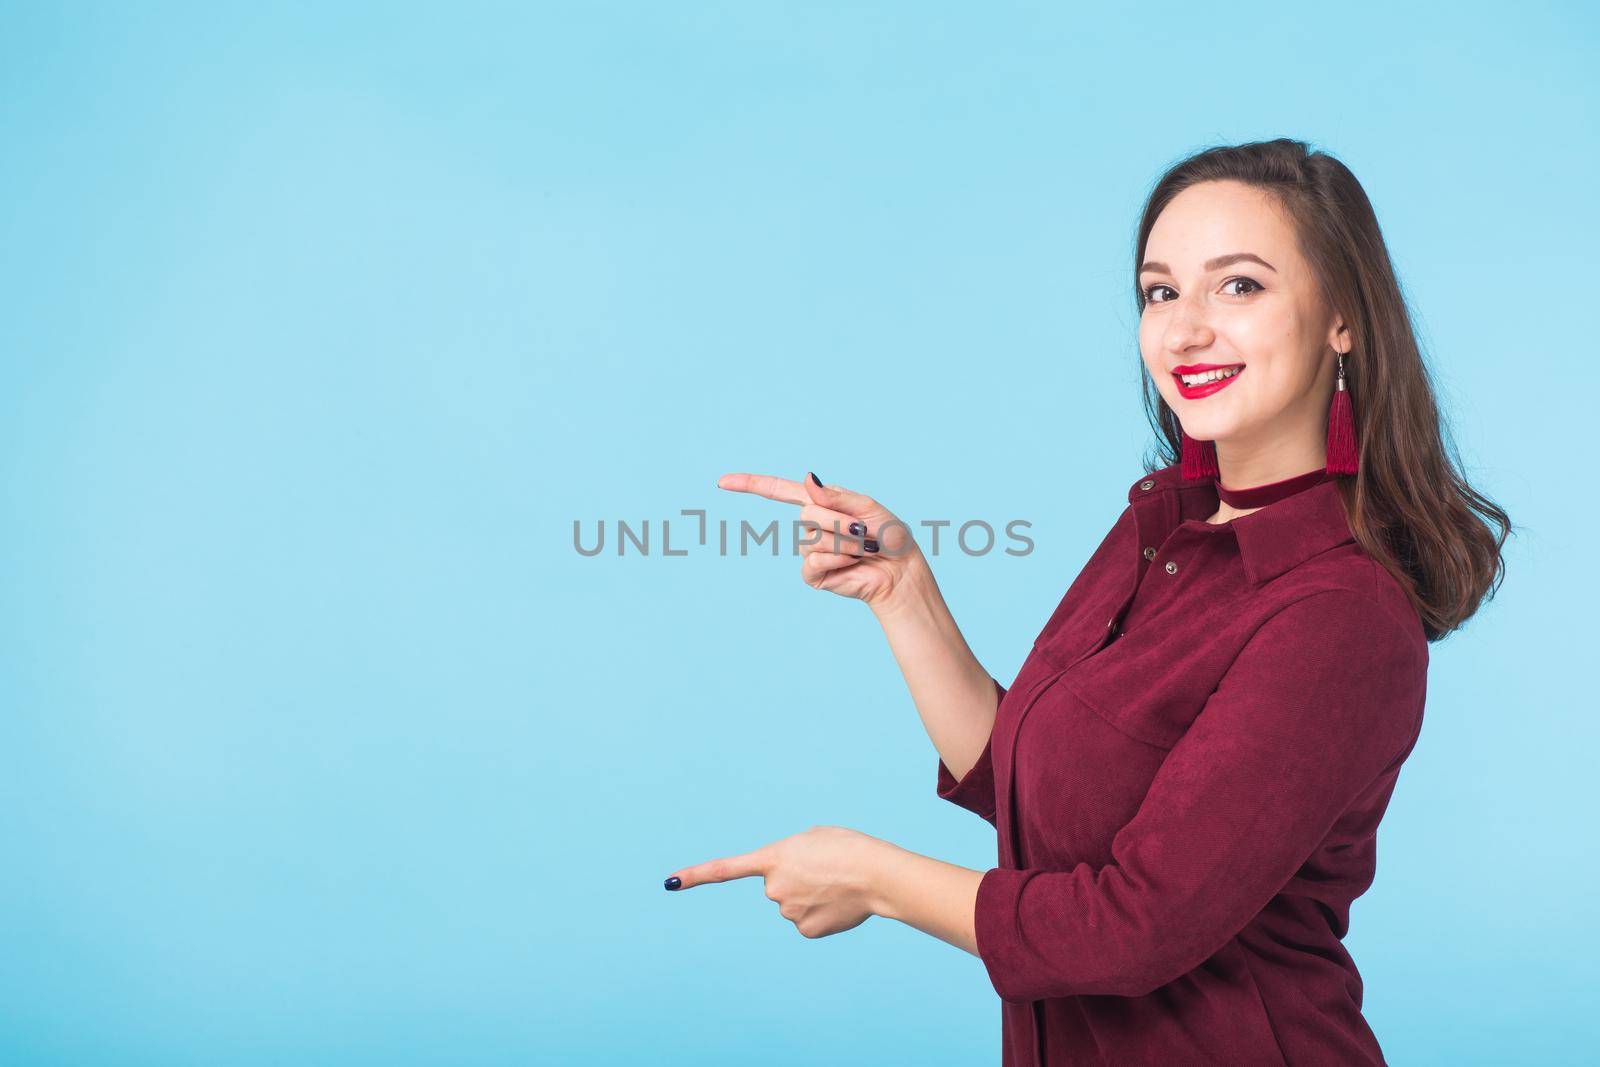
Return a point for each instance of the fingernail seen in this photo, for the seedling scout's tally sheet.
(857, 530)
(870, 545)
(673, 883)
(815, 479)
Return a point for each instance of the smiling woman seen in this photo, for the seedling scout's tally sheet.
(1187, 775)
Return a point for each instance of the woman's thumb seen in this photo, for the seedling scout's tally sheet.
(843, 500)
(817, 491)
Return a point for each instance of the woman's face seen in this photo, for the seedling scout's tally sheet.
(1211, 300)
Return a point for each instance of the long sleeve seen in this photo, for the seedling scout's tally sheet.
(975, 790)
(1324, 698)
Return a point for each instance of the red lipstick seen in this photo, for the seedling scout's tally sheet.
(1195, 392)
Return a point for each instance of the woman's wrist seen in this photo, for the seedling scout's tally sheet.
(914, 589)
(883, 877)
(930, 895)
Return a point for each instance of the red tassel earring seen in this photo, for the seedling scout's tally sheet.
(1342, 456)
(1199, 458)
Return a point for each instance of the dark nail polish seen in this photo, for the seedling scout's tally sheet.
(870, 545)
(673, 883)
(815, 479)
(857, 530)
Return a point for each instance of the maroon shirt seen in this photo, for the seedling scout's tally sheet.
(1186, 777)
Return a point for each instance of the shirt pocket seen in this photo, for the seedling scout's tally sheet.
(1143, 686)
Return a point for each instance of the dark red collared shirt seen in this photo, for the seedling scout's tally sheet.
(1186, 777)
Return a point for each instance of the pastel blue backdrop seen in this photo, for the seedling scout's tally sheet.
(320, 743)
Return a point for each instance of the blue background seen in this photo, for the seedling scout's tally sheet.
(321, 326)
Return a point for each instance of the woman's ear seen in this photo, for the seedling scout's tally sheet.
(1339, 336)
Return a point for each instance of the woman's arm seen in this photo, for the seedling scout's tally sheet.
(954, 695)
(862, 550)
(830, 878)
(936, 897)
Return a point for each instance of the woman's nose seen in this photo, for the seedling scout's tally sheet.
(1187, 327)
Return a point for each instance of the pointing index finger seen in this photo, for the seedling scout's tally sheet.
(725, 869)
(773, 488)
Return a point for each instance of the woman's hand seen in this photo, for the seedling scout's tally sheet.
(824, 880)
(857, 547)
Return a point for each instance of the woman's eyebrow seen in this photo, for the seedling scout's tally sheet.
(1212, 264)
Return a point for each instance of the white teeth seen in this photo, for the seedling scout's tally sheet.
(1209, 376)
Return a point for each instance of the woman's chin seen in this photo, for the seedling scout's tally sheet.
(1212, 432)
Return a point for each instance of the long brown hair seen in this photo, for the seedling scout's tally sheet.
(1409, 507)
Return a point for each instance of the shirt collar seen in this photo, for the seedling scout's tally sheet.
(1273, 539)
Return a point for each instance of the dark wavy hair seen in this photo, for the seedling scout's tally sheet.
(1409, 506)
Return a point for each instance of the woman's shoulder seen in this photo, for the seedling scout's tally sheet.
(1160, 480)
(1345, 589)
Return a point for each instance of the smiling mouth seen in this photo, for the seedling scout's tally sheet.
(1205, 382)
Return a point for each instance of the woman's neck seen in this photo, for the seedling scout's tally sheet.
(1225, 513)
(1244, 466)
(1235, 499)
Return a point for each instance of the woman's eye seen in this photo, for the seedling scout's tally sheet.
(1149, 293)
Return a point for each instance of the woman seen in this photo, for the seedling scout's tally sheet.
(1188, 772)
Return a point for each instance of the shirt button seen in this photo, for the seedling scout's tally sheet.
(1147, 484)
(1111, 627)
(1149, 553)
(1172, 568)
